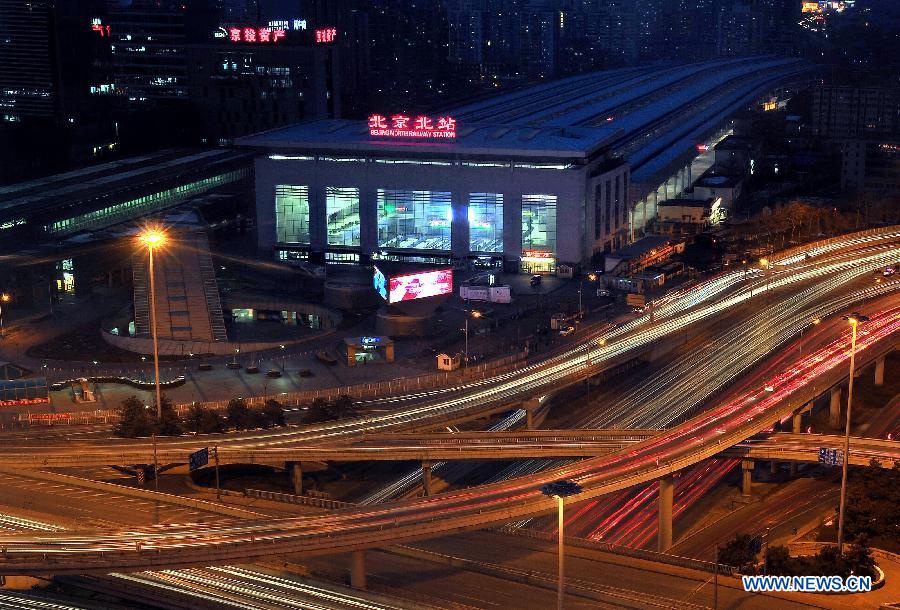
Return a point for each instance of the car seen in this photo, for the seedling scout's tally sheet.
(568, 330)
(603, 292)
(235, 366)
(252, 369)
(273, 373)
(205, 366)
(536, 280)
(305, 373)
(326, 358)
(888, 271)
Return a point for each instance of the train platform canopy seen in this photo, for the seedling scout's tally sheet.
(471, 140)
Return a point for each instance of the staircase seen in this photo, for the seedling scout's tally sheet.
(187, 296)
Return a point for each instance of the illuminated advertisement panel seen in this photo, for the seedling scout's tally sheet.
(420, 285)
(379, 281)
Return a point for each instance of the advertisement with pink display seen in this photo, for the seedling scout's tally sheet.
(420, 285)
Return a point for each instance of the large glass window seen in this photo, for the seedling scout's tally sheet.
(539, 223)
(342, 207)
(486, 222)
(418, 220)
(292, 214)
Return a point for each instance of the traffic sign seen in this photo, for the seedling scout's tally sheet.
(199, 459)
(831, 457)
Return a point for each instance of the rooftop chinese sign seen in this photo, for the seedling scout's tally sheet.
(252, 34)
(402, 126)
(326, 35)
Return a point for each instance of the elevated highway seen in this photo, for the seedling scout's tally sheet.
(421, 447)
(703, 436)
(805, 448)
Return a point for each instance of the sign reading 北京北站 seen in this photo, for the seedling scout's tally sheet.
(403, 126)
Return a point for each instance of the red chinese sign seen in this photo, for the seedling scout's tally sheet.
(99, 27)
(26, 401)
(326, 35)
(253, 34)
(402, 126)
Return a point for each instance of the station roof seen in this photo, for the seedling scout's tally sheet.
(107, 178)
(478, 139)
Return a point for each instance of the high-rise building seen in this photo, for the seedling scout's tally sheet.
(28, 84)
(842, 112)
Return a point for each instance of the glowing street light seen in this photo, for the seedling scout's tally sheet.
(153, 239)
(4, 298)
(854, 319)
(561, 490)
(475, 314)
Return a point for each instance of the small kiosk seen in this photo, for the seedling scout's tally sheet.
(361, 350)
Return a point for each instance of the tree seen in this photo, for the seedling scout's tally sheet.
(238, 414)
(272, 414)
(134, 419)
(169, 424)
(738, 551)
(204, 421)
(779, 561)
(318, 411)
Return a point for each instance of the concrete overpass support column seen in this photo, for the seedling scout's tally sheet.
(834, 415)
(747, 481)
(358, 570)
(666, 486)
(296, 474)
(426, 479)
(531, 407)
(797, 423)
(879, 371)
(773, 467)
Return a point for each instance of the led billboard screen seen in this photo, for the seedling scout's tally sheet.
(409, 286)
(379, 281)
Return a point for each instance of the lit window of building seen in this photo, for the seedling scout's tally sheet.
(342, 208)
(292, 214)
(486, 222)
(418, 220)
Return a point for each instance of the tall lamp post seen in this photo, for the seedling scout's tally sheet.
(153, 239)
(4, 299)
(561, 490)
(475, 314)
(854, 319)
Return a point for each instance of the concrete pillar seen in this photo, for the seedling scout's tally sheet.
(358, 570)
(426, 479)
(793, 470)
(666, 485)
(797, 423)
(834, 415)
(879, 371)
(773, 467)
(530, 406)
(296, 474)
(747, 468)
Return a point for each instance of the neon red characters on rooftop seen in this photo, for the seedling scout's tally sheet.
(403, 126)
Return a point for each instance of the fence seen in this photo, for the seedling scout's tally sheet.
(318, 502)
(684, 562)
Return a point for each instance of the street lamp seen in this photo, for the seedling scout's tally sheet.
(764, 262)
(4, 298)
(475, 314)
(561, 490)
(153, 239)
(854, 319)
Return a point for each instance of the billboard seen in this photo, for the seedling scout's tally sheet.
(411, 286)
(379, 281)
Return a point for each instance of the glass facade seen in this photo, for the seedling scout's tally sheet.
(292, 214)
(342, 208)
(418, 220)
(486, 222)
(539, 223)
